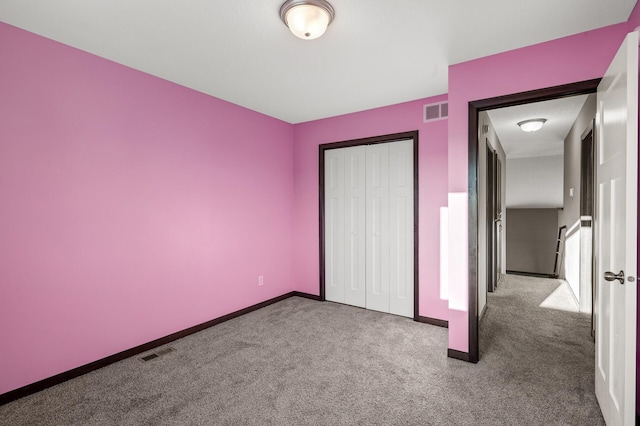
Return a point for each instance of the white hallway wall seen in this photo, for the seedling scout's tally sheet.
(535, 182)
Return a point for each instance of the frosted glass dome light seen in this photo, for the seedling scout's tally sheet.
(532, 125)
(307, 19)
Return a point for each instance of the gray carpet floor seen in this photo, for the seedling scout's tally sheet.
(301, 362)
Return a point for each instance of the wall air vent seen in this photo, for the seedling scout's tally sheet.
(434, 112)
(157, 354)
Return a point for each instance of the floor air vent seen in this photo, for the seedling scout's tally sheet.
(434, 112)
(157, 354)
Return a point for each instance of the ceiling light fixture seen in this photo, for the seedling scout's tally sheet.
(307, 19)
(532, 125)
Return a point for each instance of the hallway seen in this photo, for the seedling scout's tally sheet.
(545, 348)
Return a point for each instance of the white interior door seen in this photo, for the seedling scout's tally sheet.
(616, 223)
(369, 226)
(345, 186)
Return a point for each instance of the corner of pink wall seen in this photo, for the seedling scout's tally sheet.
(634, 18)
(132, 208)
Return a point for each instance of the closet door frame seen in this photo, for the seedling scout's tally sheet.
(371, 141)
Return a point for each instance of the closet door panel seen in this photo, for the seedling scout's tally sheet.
(355, 226)
(401, 228)
(377, 218)
(334, 213)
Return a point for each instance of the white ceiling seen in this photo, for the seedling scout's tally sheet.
(375, 53)
(560, 115)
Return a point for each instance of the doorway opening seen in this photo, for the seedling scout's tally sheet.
(548, 190)
(475, 108)
(408, 270)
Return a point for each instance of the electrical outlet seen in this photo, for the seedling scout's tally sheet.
(261, 280)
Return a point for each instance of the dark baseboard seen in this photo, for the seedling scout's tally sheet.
(463, 356)
(433, 321)
(84, 369)
(307, 296)
(530, 274)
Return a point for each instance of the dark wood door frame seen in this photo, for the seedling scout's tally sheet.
(587, 202)
(371, 141)
(491, 216)
(497, 242)
(563, 91)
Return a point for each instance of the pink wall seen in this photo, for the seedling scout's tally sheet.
(133, 207)
(432, 190)
(130, 208)
(571, 59)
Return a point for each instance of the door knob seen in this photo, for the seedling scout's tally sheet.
(610, 276)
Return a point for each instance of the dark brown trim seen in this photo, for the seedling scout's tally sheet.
(563, 91)
(530, 274)
(587, 165)
(306, 295)
(546, 94)
(463, 356)
(433, 321)
(490, 207)
(371, 141)
(95, 365)
(416, 224)
(321, 221)
(474, 354)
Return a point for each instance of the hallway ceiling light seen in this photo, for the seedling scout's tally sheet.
(307, 19)
(532, 125)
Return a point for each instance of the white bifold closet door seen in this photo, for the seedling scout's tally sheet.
(369, 226)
